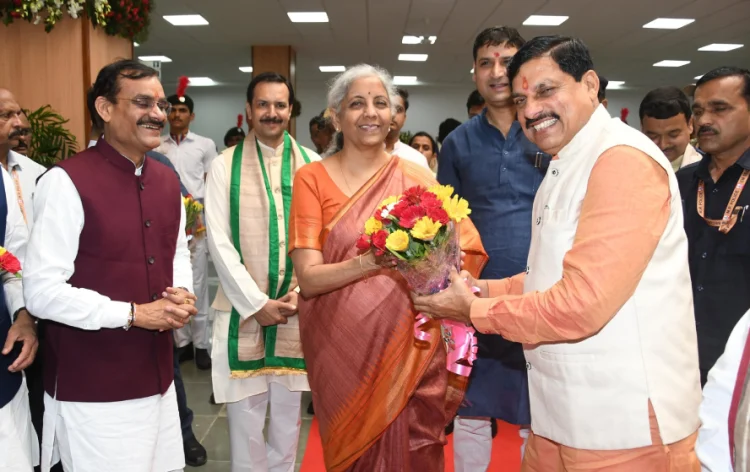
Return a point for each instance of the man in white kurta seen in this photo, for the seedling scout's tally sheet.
(191, 155)
(256, 351)
(142, 430)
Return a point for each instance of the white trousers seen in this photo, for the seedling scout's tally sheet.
(249, 451)
(472, 443)
(19, 448)
(197, 331)
(141, 435)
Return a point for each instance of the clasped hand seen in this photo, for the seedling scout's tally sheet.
(173, 311)
(276, 312)
(23, 331)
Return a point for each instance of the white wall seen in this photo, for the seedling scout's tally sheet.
(216, 108)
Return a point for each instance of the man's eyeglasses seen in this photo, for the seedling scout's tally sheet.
(147, 103)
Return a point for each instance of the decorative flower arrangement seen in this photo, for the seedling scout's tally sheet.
(410, 226)
(419, 231)
(193, 221)
(9, 263)
(125, 18)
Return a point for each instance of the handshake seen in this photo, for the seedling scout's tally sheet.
(172, 311)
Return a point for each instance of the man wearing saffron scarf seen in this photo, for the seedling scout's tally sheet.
(256, 348)
(604, 308)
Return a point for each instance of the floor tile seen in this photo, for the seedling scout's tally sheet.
(198, 395)
(216, 441)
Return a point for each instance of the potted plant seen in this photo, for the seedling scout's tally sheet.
(50, 140)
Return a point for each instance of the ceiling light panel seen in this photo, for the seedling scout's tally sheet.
(155, 58)
(669, 63)
(412, 57)
(545, 20)
(186, 20)
(201, 81)
(332, 68)
(308, 16)
(720, 47)
(668, 23)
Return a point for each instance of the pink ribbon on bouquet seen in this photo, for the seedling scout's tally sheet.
(459, 339)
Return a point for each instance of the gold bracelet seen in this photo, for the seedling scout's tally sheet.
(362, 269)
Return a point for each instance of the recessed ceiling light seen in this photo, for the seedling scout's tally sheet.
(412, 39)
(545, 20)
(201, 81)
(246, 69)
(671, 63)
(186, 20)
(669, 23)
(432, 39)
(720, 47)
(615, 84)
(412, 57)
(135, 44)
(332, 68)
(471, 71)
(155, 58)
(405, 79)
(698, 77)
(308, 16)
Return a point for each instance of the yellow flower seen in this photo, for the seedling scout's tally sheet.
(443, 192)
(389, 200)
(197, 206)
(2, 250)
(425, 229)
(397, 241)
(372, 226)
(185, 201)
(457, 208)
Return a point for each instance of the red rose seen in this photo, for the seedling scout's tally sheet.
(363, 243)
(410, 216)
(379, 214)
(9, 263)
(438, 214)
(378, 240)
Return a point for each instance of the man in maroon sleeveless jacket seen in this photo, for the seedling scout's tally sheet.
(107, 250)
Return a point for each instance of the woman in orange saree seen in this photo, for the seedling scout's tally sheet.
(382, 398)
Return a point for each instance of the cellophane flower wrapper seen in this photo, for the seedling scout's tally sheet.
(430, 275)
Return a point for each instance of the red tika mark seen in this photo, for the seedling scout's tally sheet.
(497, 54)
(525, 84)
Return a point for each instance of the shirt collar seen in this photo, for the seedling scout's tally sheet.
(14, 161)
(703, 172)
(189, 136)
(515, 128)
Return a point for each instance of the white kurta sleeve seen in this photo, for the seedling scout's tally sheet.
(183, 268)
(16, 238)
(239, 287)
(50, 257)
(713, 437)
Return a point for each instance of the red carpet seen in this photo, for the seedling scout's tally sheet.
(506, 451)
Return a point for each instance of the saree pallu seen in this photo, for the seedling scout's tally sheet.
(382, 398)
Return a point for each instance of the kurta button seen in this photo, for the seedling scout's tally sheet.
(151, 260)
(147, 223)
(282, 272)
(700, 288)
(281, 244)
(154, 297)
(528, 366)
(555, 172)
(716, 190)
(704, 255)
(142, 185)
(538, 220)
(528, 269)
(277, 190)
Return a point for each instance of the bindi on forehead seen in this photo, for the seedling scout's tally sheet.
(525, 83)
(496, 54)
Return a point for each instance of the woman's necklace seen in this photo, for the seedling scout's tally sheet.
(341, 168)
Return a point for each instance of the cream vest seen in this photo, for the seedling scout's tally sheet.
(594, 394)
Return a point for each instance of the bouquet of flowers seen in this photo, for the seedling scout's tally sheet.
(9, 263)
(419, 231)
(193, 220)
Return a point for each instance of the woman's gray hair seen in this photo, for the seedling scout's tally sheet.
(340, 87)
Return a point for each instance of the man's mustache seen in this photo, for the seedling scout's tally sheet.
(277, 121)
(707, 129)
(531, 122)
(149, 121)
(14, 134)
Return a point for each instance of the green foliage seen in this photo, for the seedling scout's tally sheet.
(405, 136)
(50, 140)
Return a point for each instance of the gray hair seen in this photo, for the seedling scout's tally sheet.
(340, 87)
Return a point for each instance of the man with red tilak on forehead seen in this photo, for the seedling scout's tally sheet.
(604, 308)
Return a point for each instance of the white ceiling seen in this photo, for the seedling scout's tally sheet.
(371, 31)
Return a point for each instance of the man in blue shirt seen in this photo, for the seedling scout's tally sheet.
(490, 163)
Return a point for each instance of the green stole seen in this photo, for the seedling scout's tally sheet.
(271, 363)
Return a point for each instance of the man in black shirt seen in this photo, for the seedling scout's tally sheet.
(715, 204)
